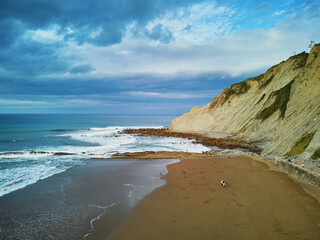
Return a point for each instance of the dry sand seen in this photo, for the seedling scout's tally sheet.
(258, 203)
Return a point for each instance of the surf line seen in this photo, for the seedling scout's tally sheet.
(98, 217)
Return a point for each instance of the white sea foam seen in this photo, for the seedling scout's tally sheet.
(98, 217)
(31, 166)
(22, 176)
(135, 188)
(108, 141)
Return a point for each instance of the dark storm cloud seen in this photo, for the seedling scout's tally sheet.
(108, 17)
(100, 22)
(110, 85)
(31, 58)
(9, 31)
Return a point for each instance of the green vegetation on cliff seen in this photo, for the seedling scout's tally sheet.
(316, 154)
(300, 60)
(257, 78)
(266, 83)
(236, 89)
(301, 145)
(262, 97)
(280, 103)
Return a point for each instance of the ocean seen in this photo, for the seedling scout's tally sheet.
(28, 143)
(82, 193)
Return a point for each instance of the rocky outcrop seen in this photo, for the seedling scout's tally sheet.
(223, 143)
(280, 108)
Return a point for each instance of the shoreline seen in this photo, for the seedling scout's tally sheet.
(120, 217)
(259, 202)
(297, 173)
(87, 200)
(227, 145)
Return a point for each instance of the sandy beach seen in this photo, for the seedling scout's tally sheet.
(258, 203)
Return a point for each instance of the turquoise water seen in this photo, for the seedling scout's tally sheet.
(29, 143)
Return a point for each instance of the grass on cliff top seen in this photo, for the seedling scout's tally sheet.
(301, 145)
(236, 89)
(282, 98)
(300, 59)
(257, 78)
(316, 154)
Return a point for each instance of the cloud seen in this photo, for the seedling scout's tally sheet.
(29, 58)
(243, 52)
(20, 102)
(175, 95)
(85, 18)
(262, 6)
(196, 23)
(111, 85)
(142, 53)
(85, 68)
(201, 37)
(278, 13)
(50, 35)
(160, 33)
(9, 31)
(86, 102)
(35, 34)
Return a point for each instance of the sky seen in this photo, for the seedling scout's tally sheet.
(141, 56)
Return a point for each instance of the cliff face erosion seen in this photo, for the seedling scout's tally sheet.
(280, 108)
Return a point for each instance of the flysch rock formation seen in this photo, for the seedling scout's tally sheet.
(280, 108)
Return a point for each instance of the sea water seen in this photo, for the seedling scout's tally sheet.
(31, 145)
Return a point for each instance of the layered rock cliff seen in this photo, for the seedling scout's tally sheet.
(280, 108)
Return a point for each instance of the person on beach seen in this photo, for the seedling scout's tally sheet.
(223, 183)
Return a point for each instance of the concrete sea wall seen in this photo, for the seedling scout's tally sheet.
(301, 173)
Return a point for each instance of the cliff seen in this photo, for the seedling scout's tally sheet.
(280, 108)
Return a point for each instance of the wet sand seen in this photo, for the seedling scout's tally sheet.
(258, 203)
(87, 200)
